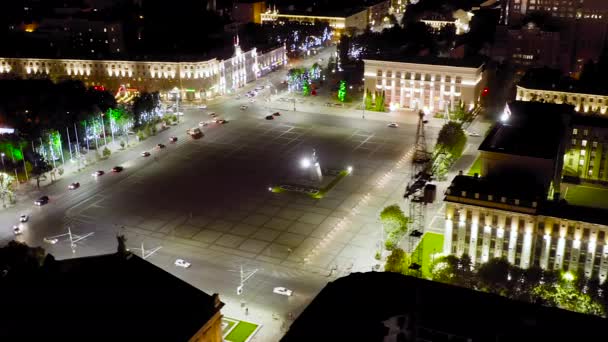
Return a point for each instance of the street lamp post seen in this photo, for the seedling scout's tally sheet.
(3, 167)
(363, 99)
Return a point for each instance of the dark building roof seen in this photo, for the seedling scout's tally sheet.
(326, 12)
(467, 62)
(574, 212)
(108, 297)
(526, 191)
(353, 308)
(552, 79)
(534, 129)
(590, 120)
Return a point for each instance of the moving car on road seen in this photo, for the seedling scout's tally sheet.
(203, 123)
(212, 114)
(173, 139)
(97, 173)
(17, 230)
(159, 146)
(52, 241)
(117, 168)
(282, 291)
(203, 106)
(182, 263)
(222, 121)
(393, 125)
(24, 218)
(276, 114)
(269, 117)
(243, 107)
(473, 134)
(42, 200)
(195, 133)
(74, 186)
(145, 154)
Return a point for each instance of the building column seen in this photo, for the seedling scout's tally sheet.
(591, 245)
(575, 254)
(604, 264)
(544, 255)
(401, 93)
(474, 236)
(448, 231)
(526, 249)
(561, 246)
(392, 91)
(462, 232)
(486, 238)
(500, 233)
(512, 240)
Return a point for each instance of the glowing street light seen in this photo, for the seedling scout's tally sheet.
(349, 169)
(305, 163)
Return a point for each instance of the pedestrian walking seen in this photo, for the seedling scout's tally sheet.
(246, 311)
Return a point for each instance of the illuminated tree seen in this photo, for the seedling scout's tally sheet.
(368, 100)
(397, 261)
(342, 91)
(305, 87)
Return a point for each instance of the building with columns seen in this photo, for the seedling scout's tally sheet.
(426, 82)
(514, 207)
(197, 79)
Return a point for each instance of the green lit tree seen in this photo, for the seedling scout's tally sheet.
(342, 91)
(397, 261)
(305, 87)
(394, 223)
(368, 100)
(106, 152)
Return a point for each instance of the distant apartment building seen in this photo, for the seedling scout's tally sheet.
(248, 11)
(434, 84)
(196, 79)
(355, 19)
(529, 46)
(583, 26)
(377, 11)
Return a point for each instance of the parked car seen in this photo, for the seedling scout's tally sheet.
(203, 106)
(473, 134)
(42, 200)
(212, 114)
(243, 107)
(24, 218)
(159, 146)
(97, 173)
(74, 186)
(145, 154)
(276, 114)
(269, 117)
(182, 263)
(117, 168)
(52, 241)
(283, 291)
(222, 121)
(173, 139)
(203, 123)
(393, 125)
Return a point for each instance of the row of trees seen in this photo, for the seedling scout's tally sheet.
(394, 225)
(534, 285)
(450, 145)
(375, 101)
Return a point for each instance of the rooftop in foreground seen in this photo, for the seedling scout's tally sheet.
(358, 307)
(108, 297)
(533, 129)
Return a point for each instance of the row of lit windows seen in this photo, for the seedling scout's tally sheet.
(415, 76)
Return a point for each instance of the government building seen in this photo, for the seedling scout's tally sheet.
(197, 80)
(520, 207)
(428, 83)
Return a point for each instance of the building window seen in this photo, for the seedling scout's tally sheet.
(581, 162)
(583, 152)
(584, 142)
(586, 132)
(573, 142)
(594, 144)
(379, 73)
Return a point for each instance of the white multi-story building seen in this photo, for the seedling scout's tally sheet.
(432, 84)
(583, 102)
(196, 79)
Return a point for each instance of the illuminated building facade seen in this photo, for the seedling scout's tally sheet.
(512, 208)
(356, 19)
(488, 225)
(197, 80)
(434, 84)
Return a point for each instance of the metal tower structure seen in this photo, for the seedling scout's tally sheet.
(416, 194)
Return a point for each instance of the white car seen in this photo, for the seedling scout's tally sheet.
(283, 291)
(51, 241)
(203, 123)
(179, 113)
(202, 107)
(252, 100)
(212, 114)
(473, 134)
(17, 230)
(243, 107)
(393, 125)
(182, 263)
(145, 154)
(23, 218)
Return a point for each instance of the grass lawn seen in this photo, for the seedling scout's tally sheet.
(431, 243)
(227, 324)
(241, 332)
(475, 168)
(329, 186)
(586, 196)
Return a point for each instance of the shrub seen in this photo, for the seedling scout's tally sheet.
(106, 152)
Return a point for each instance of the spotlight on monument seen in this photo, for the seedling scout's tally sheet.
(305, 163)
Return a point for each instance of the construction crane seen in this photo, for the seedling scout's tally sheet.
(419, 192)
